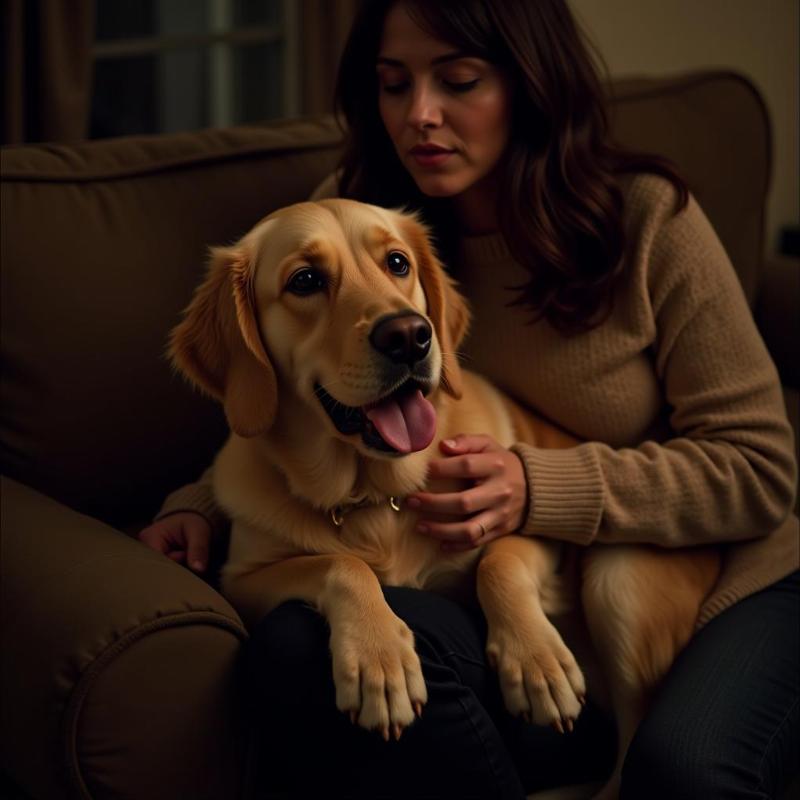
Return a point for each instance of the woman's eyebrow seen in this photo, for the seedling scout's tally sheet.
(443, 59)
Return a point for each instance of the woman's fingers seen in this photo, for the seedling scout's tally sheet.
(198, 536)
(468, 443)
(183, 537)
(470, 501)
(493, 503)
(465, 534)
(470, 466)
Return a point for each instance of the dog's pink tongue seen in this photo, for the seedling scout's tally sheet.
(408, 424)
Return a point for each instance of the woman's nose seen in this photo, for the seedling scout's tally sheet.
(424, 110)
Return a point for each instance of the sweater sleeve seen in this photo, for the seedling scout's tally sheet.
(199, 498)
(728, 471)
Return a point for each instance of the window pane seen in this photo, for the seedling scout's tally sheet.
(151, 94)
(177, 17)
(124, 19)
(139, 19)
(124, 97)
(258, 82)
(168, 65)
(183, 95)
(257, 12)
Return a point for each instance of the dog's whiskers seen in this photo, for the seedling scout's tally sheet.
(327, 386)
(459, 355)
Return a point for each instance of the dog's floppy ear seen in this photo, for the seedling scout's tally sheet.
(447, 308)
(217, 345)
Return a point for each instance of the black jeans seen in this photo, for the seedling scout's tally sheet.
(724, 724)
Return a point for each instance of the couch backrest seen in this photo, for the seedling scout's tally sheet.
(104, 242)
(715, 127)
(102, 246)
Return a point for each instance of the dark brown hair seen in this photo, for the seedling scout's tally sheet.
(560, 199)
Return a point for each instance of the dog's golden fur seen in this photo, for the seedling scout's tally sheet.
(263, 351)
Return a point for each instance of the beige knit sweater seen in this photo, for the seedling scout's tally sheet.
(675, 395)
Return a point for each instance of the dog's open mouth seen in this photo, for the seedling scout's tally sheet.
(403, 421)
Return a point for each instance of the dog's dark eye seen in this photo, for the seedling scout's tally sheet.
(397, 263)
(305, 281)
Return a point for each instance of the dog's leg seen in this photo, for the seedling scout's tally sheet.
(538, 674)
(640, 604)
(376, 670)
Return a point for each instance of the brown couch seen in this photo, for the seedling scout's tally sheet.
(118, 666)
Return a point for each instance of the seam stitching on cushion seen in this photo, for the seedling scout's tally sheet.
(88, 675)
(679, 83)
(179, 163)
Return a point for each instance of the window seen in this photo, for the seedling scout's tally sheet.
(172, 65)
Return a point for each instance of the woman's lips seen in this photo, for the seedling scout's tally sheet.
(430, 156)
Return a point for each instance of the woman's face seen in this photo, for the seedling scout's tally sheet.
(447, 114)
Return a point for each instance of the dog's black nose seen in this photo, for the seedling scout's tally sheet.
(404, 338)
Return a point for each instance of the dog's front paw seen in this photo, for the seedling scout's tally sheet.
(377, 674)
(538, 674)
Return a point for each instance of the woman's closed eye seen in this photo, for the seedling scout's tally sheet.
(457, 87)
(398, 87)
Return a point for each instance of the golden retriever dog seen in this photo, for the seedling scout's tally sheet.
(329, 333)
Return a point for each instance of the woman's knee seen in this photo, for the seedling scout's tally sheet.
(441, 626)
(651, 768)
(288, 648)
(670, 764)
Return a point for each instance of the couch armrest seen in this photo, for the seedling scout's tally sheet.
(776, 314)
(118, 665)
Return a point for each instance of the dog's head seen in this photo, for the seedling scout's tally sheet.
(345, 304)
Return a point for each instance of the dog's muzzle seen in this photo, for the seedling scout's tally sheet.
(401, 421)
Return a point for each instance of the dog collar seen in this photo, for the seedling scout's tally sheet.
(338, 513)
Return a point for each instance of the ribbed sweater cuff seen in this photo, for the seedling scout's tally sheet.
(566, 493)
(199, 498)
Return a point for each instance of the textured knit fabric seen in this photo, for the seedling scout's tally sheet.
(675, 395)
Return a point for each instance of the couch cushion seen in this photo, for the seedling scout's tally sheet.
(102, 245)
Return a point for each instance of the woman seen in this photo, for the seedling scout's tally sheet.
(625, 324)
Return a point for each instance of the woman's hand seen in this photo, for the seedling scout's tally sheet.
(184, 537)
(493, 506)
